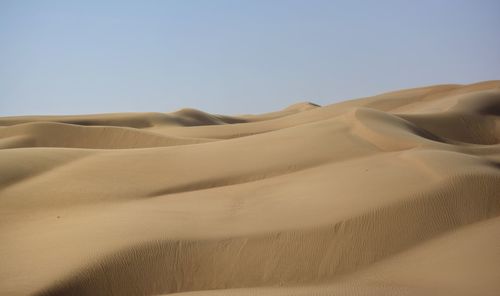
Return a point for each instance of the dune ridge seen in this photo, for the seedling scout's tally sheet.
(395, 194)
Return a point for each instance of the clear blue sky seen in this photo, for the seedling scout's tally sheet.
(89, 56)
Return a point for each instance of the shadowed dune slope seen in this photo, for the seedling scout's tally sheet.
(395, 194)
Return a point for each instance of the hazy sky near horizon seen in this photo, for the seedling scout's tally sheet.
(231, 57)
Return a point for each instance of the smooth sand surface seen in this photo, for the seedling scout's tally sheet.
(395, 194)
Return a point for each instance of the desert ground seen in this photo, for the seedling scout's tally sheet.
(395, 194)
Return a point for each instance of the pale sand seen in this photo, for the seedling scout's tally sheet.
(396, 194)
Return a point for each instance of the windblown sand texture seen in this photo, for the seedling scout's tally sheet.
(396, 194)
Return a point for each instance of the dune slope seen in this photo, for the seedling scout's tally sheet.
(395, 194)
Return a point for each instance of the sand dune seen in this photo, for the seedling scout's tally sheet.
(395, 194)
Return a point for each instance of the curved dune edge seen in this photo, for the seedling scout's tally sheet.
(354, 198)
(317, 254)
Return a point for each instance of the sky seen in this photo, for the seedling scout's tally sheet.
(235, 57)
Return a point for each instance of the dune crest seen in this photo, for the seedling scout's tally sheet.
(395, 194)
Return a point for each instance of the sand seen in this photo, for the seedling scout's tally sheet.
(395, 194)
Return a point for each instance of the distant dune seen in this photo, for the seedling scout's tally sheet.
(395, 194)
